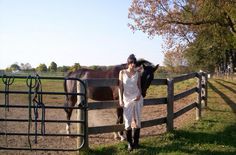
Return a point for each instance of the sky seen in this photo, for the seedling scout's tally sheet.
(88, 32)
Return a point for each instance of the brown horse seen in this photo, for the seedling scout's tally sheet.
(105, 93)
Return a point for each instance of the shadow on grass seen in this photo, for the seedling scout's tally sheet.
(180, 142)
(185, 141)
(227, 87)
(227, 81)
(191, 142)
(223, 111)
(231, 103)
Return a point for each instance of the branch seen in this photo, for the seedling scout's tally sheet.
(230, 23)
(192, 23)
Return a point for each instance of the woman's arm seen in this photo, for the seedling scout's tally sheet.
(139, 83)
(139, 87)
(121, 88)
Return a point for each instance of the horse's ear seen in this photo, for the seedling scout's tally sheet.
(138, 63)
(141, 62)
(155, 68)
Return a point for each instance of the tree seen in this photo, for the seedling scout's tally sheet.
(174, 60)
(208, 49)
(188, 23)
(15, 67)
(63, 69)
(53, 67)
(181, 18)
(25, 67)
(42, 68)
(75, 67)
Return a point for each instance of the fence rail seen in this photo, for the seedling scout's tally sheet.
(34, 93)
(169, 101)
(84, 130)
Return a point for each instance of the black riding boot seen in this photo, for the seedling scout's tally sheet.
(136, 138)
(129, 139)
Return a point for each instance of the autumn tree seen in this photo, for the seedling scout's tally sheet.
(196, 25)
(174, 60)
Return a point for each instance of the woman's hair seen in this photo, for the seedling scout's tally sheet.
(131, 59)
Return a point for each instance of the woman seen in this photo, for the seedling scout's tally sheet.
(131, 100)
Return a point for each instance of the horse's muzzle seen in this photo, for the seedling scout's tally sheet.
(143, 94)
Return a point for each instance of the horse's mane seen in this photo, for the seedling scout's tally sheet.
(144, 62)
(119, 67)
(139, 63)
(78, 72)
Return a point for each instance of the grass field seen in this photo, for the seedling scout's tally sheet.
(214, 134)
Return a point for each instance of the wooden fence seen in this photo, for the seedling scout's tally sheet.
(200, 89)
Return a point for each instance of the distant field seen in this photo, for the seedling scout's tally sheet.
(48, 85)
(57, 86)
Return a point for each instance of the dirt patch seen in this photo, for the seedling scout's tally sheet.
(96, 118)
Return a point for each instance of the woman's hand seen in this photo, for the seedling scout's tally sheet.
(121, 103)
(137, 98)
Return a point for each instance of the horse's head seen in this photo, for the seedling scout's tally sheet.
(147, 74)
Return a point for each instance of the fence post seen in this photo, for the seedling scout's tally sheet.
(206, 88)
(199, 97)
(203, 90)
(170, 103)
(86, 145)
(82, 114)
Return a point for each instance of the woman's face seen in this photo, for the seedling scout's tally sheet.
(131, 64)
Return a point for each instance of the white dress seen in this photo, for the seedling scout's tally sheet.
(132, 109)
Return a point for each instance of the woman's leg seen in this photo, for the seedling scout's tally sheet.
(136, 138)
(129, 139)
(138, 110)
(127, 120)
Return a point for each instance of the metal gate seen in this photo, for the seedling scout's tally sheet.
(30, 121)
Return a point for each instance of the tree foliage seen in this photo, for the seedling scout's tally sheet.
(42, 68)
(63, 68)
(199, 26)
(174, 60)
(75, 67)
(15, 67)
(53, 67)
(26, 66)
(208, 49)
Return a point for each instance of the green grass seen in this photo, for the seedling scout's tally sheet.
(214, 134)
(48, 85)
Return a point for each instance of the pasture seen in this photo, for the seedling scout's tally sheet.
(214, 134)
(96, 117)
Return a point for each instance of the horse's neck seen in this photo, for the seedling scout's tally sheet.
(118, 68)
(123, 66)
(84, 73)
(78, 73)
